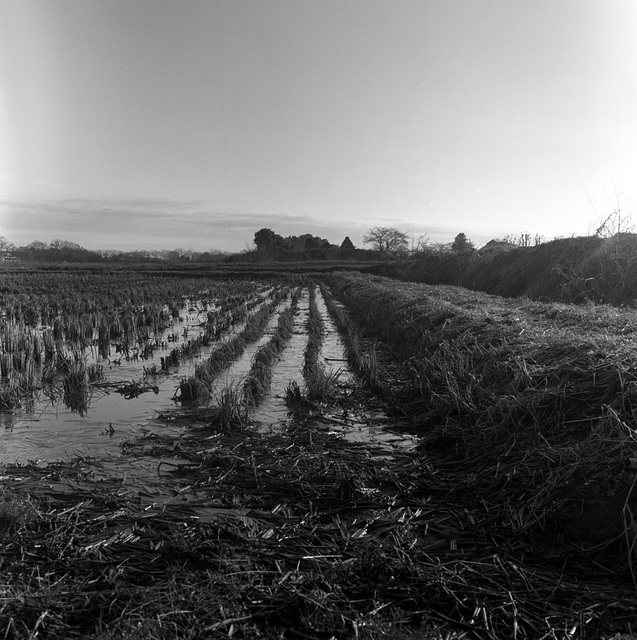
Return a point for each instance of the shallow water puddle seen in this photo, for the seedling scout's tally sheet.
(332, 349)
(374, 431)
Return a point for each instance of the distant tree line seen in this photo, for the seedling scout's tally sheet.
(58, 251)
(392, 241)
(164, 255)
(383, 242)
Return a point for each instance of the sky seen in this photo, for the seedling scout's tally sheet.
(158, 124)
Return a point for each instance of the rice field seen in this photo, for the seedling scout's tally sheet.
(193, 456)
(101, 363)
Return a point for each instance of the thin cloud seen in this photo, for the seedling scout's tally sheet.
(149, 224)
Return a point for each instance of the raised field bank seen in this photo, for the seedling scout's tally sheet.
(311, 455)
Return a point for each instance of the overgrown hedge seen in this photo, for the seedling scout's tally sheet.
(580, 270)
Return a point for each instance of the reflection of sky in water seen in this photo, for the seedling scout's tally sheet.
(53, 432)
(333, 349)
(273, 409)
(273, 413)
(239, 369)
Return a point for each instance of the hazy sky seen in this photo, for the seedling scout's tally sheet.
(194, 123)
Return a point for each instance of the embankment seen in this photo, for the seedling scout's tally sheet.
(564, 270)
(532, 404)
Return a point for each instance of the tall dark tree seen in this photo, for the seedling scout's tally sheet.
(461, 243)
(264, 239)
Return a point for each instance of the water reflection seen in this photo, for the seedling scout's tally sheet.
(273, 409)
(353, 424)
(108, 395)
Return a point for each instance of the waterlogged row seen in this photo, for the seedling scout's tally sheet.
(264, 364)
(199, 386)
(74, 352)
(236, 401)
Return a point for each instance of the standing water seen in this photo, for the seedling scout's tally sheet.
(272, 410)
(357, 423)
(124, 405)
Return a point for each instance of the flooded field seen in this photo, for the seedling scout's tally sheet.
(213, 458)
(87, 396)
(90, 395)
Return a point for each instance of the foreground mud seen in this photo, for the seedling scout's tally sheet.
(259, 535)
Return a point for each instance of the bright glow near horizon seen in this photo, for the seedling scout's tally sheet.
(157, 124)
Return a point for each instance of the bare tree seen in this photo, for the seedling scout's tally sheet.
(618, 220)
(387, 239)
(608, 274)
(419, 244)
(6, 246)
